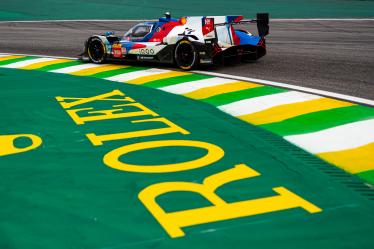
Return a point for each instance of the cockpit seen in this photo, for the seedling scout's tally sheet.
(138, 32)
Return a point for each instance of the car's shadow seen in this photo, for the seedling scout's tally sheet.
(207, 68)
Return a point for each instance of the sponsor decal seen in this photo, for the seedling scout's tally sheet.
(206, 61)
(84, 110)
(146, 51)
(7, 143)
(208, 27)
(117, 50)
(140, 57)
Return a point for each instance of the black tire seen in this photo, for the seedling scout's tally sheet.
(185, 55)
(96, 50)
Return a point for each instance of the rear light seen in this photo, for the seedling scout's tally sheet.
(262, 43)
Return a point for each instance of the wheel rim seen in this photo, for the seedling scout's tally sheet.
(96, 51)
(185, 55)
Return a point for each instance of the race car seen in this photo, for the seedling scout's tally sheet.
(186, 42)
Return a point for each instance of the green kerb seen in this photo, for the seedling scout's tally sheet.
(226, 98)
(60, 65)
(368, 176)
(176, 80)
(115, 72)
(10, 61)
(320, 120)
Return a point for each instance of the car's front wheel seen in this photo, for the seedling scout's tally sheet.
(96, 50)
(186, 56)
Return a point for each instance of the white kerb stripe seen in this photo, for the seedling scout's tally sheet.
(248, 106)
(342, 137)
(134, 75)
(76, 68)
(191, 86)
(27, 62)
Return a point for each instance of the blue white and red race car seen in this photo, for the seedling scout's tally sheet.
(186, 42)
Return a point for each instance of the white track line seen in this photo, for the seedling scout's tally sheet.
(249, 106)
(27, 62)
(151, 20)
(40, 55)
(134, 75)
(293, 87)
(76, 68)
(84, 20)
(321, 19)
(188, 87)
(339, 138)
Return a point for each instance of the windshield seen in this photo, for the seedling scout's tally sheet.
(138, 32)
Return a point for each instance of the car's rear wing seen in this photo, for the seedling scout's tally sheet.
(262, 21)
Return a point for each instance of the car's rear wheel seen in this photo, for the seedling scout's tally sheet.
(186, 56)
(96, 50)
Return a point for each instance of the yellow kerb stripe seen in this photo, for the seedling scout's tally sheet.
(216, 90)
(145, 79)
(283, 112)
(11, 57)
(95, 70)
(43, 64)
(354, 161)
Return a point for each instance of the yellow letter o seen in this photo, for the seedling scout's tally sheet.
(214, 153)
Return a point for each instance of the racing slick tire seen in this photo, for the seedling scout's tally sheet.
(185, 55)
(96, 50)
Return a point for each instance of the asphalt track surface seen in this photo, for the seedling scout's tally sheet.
(335, 56)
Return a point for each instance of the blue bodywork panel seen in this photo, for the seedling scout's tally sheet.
(246, 39)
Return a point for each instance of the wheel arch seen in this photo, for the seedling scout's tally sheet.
(193, 42)
(101, 37)
(104, 41)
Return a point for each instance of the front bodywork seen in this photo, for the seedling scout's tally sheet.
(214, 37)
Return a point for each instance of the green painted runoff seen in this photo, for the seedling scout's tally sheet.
(62, 194)
(133, 9)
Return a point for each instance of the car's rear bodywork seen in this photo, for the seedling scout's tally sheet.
(213, 39)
